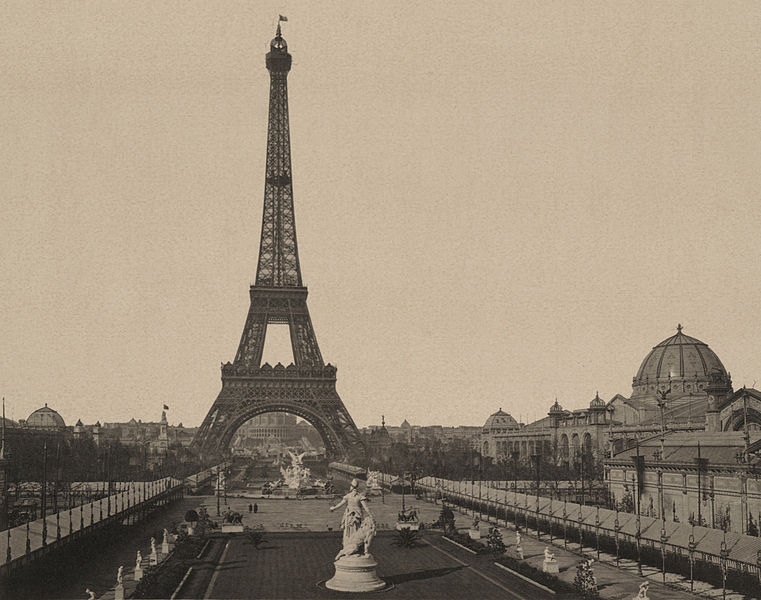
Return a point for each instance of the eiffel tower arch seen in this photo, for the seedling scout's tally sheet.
(307, 387)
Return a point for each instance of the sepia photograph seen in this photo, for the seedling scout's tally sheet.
(528, 244)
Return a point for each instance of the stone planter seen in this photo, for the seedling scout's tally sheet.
(474, 534)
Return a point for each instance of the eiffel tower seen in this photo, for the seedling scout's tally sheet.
(307, 387)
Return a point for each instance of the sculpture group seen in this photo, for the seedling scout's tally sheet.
(355, 566)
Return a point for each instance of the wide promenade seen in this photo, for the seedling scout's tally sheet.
(300, 549)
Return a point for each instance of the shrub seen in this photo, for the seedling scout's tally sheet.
(254, 536)
(584, 582)
(494, 540)
(406, 538)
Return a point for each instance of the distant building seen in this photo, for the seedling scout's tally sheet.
(44, 418)
(419, 434)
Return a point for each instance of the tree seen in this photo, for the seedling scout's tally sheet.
(752, 527)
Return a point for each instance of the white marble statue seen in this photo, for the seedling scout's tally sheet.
(373, 480)
(139, 560)
(517, 538)
(90, 594)
(548, 556)
(296, 459)
(643, 590)
(166, 536)
(119, 575)
(358, 524)
(153, 546)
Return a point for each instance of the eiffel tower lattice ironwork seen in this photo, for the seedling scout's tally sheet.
(307, 387)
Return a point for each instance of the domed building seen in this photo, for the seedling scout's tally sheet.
(494, 432)
(681, 373)
(681, 367)
(45, 418)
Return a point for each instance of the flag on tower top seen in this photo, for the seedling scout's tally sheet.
(166, 407)
(282, 18)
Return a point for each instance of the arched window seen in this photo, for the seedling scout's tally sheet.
(564, 447)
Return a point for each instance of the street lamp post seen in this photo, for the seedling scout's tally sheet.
(691, 545)
(218, 492)
(44, 493)
(661, 401)
(565, 523)
(616, 529)
(597, 531)
(724, 553)
(538, 460)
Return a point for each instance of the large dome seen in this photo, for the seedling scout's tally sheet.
(500, 421)
(680, 363)
(45, 418)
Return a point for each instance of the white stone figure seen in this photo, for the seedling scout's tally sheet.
(119, 575)
(358, 524)
(642, 594)
(153, 546)
(517, 538)
(138, 574)
(550, 565)
(90, 594)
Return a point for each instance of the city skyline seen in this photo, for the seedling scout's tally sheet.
(493, 210)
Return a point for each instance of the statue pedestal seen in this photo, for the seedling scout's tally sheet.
(138, 573)
(519, 552)
(119, 592)
(232, 528)
(550, 566)
(153, 559)
(474, 534)
(355, 573)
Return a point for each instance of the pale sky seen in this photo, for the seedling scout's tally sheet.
(497, 203)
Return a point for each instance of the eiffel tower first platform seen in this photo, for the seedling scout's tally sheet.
(307, 387)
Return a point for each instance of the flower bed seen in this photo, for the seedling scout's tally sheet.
(464, 540)
(525, 569)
